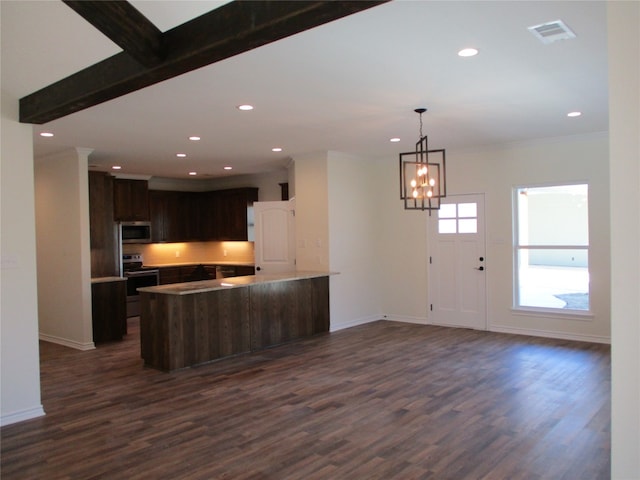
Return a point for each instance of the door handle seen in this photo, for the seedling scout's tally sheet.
(479, 268)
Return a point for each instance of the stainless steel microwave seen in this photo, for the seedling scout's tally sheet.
(135, 232)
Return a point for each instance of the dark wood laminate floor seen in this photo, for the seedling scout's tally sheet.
(379, 401)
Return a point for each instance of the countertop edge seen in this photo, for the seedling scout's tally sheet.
(190, 288)
(194, 264)
(107, 279)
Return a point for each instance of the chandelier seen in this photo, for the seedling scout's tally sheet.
(422, 175)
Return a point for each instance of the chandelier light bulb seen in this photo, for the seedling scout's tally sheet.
(413, 183)
(430, 193)
(415, 193)
(432, 182)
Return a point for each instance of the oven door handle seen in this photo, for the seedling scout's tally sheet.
(142, 273)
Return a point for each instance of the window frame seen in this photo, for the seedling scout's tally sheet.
(517, 248)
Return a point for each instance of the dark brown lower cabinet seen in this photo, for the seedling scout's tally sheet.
(109, 309)
(178, 331)
(197, 273)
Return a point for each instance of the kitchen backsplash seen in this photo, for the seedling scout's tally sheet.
(193, 252)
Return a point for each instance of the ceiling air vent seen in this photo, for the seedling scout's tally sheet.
(551, 31)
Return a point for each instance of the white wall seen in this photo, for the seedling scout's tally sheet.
(19, 361)
(401, 248)
(624, 125)
(495, 171)
(312, 212)
(355, 295)
(64, 261)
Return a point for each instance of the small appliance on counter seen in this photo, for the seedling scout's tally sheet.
(137, 276)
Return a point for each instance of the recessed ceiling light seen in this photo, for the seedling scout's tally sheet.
(276, 149)
(181, 155)
(193, 173)
(46, 134)
(394, 140)
(228, 167)
(194, 138)
(116, 167)
(245, 107)
(468, 52)
(574, 114)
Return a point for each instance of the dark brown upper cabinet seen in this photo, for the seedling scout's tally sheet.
(131, 200)
(174, 216)
(201, 216)
(232, 211)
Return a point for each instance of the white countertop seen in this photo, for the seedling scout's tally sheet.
(231, 282)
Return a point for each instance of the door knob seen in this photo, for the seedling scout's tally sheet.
(481, 259)
(258, 269)
(480, 268)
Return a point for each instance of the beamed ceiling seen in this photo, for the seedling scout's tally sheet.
(150, 56)
(134, 80)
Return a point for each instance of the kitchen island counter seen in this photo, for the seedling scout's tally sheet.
(202, 286)
(191, 323)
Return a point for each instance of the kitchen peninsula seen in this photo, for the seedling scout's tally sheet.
(187, 324)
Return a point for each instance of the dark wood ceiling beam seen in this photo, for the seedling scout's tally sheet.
(125, 26)
(227, 31)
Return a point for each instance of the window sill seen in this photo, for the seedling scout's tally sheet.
(581, 315)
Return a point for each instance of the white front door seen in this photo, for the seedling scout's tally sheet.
(275, 245)
(457, 263)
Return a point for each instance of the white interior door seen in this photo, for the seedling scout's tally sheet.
(275, 243)
(457, 263)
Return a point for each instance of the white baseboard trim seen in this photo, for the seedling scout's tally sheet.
(513, 330)
(66, 342)
(21, 415)
(404, 319)
(577, 337)
(354, 323)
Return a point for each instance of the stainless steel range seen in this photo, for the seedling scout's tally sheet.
(137, 276)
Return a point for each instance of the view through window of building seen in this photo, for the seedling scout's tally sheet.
(552, 247)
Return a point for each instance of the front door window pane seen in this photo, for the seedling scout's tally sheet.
(447, 210)
(447, 226)
(467, 225)
(467, 210)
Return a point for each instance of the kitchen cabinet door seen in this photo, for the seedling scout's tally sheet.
(131, 200)
(102, 231)
(242, 270)
(231, 213)
(208, 216)
(170, 275)
(189, 205)
(109, 310)
(168, 222)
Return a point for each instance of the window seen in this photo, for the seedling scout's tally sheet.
(551, 247)
(458, 218)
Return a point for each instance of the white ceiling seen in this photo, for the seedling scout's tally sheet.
(346, 86)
